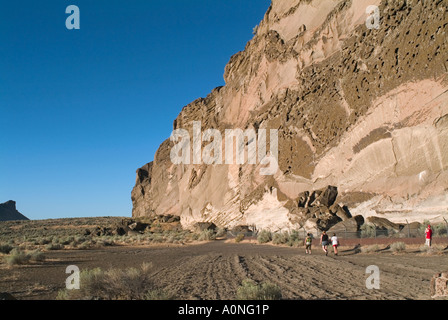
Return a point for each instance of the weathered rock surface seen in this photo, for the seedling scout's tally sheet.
(383, 223)
(8, 212)
(360, 109)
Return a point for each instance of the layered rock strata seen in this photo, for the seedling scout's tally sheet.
(361, 109)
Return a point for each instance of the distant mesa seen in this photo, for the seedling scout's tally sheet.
(8, 212)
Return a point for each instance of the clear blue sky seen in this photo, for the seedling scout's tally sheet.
(81, 110)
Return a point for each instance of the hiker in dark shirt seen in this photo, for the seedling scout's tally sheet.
(324, 242)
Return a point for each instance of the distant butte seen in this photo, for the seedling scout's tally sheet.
(8, 212)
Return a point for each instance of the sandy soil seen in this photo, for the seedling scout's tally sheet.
(215, 270)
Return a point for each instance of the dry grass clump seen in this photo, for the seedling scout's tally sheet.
(250, 290)
(264, 236)
(6, 248)
(239, 237)
(433, 250)
(291, 239)
(19, 257)
(398, 247)
(370, 249)
(116, 284)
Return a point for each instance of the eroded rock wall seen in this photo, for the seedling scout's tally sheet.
(361, 109)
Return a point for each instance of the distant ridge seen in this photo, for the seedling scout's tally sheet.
(8, 212)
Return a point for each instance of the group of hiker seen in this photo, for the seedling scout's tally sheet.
(325, 241)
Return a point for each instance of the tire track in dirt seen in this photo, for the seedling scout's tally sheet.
(210, 277)
(215, 271)
(303, 277)
(217, 276)
(398, 277)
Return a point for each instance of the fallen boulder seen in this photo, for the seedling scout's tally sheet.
(325, 223)
(340, 212)
(327, 197)
(383, 223)
(138, 226)
(351, 225)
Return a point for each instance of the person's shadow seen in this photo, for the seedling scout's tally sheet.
(355, 250)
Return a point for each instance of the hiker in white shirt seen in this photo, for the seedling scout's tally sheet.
(335, 243)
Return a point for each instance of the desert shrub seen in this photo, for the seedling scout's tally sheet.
(398, 247)
(195, 236)
(368, 231)
(54, 246)
(294, 239)
(104, 242)
(371, 248)
(87, 244)
(116, 284)
(67, 240)
(44, 241)
(440, 229)
(221, 232)
(250, 290)
(264, 236)
(37, 256)
(182, 236)
(19, 257)
(6, 248)
(280, 237)
(207, 235)
(432, 250)
(239, 237)
(391, 232)
(170, 238)
(157, 238)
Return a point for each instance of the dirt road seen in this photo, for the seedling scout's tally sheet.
(215, 270)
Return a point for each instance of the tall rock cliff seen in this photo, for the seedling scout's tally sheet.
(362, 109)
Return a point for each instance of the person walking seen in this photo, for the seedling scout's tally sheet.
(324, 242)
(335, 243)
(428, 236)
(308, 243)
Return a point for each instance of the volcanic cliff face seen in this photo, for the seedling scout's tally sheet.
(365, 110)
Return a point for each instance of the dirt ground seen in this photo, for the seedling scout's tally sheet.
(215, 270)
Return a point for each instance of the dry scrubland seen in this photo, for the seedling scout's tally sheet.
(165, 262)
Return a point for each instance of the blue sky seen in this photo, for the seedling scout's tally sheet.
(81, 110)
